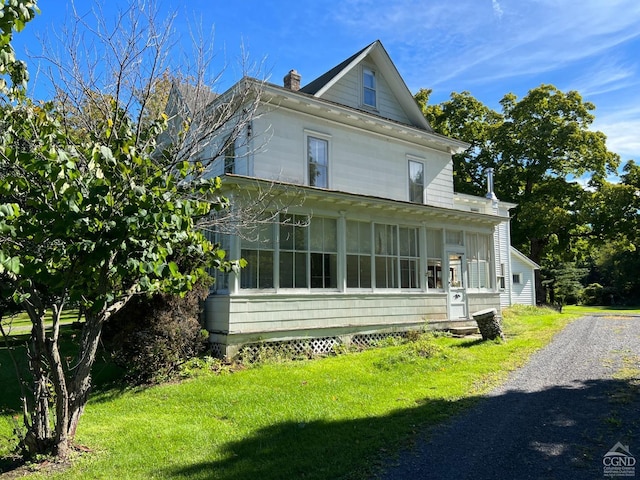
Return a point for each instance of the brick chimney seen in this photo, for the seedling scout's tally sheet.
(292, 80)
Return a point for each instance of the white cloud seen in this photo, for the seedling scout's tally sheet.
(510, 45)
(622, 136)
(605, 76)
(511, 38)
(497, 10)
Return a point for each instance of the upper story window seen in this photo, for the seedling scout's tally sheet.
(369, 88)
(416, 181)
(230, 155)
(318, 161)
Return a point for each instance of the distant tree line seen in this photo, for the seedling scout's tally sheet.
(584, 234)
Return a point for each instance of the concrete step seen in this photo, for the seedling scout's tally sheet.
(463, 331)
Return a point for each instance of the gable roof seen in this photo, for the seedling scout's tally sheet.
(386, 67)
(524, 259)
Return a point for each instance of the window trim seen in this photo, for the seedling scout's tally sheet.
(434, 254)
(477, 246)
(518, 276)
(368, 70)
(501, 282)
(310, 134)
(420, 162)
(229, 156)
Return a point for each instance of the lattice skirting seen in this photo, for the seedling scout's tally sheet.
(304, 347)
(218, 350)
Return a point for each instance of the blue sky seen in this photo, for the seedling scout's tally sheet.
(487, 47)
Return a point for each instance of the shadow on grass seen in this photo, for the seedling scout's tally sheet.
(562, 432)
(469, 343)
(106, 376)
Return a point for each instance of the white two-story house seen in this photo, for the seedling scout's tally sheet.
(374, 239)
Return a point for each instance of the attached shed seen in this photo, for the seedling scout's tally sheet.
(523, 284)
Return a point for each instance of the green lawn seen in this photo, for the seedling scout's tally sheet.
(585, 310)
(334, 417)
(20, 323)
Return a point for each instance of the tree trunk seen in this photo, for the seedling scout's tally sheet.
(38, 436)
(537, 249)
(61, 438)
(80, 384)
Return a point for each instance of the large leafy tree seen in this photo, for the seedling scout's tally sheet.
(92, 224)
(94, 211)
(538, 146)
(614, 213)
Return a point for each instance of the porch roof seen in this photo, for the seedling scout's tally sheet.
(339, 200)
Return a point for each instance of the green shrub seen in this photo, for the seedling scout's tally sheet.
(593, 294)
(152, 336)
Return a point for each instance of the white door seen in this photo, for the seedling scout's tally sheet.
(457, 287)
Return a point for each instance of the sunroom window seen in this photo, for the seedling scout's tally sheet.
(434, 258)
(358, 254)
(323, 252)
(294, 251)
(478, 260)
(258, 249)
(409, 258)
(386, 256)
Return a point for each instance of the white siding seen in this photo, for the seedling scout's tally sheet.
(282, 316)
(501, 238)
(524, 292)
(348, 91)
(482, 301)
(359, 162)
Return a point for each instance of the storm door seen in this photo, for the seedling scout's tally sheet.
(457, 287)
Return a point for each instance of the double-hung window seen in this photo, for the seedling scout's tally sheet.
(434, 258)
(318, 161)
(358, 254)
(501, 277)
(230, 155)
(323, 250)
(416, 181)
(308, 252)
(409, 258)
(294, 251)
(258, 248)
(479, 260)
(369, 88)
(386, 255)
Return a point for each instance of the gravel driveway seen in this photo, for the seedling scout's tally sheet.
(556, 418)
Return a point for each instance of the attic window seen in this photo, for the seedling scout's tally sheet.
(369, 87)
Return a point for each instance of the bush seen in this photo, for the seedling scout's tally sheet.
(152, 336)
(593, 294)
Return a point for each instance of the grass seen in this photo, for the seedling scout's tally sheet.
(585, 310)
(19, 323)
(335, 417)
